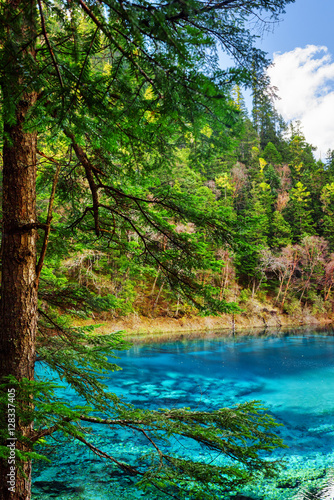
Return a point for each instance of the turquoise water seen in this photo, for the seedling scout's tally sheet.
(292, 374)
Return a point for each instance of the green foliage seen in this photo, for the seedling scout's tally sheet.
(273, 179)
(245, 295)
(280, 230)
(271, 154)
(241, 433)
(292, 307)
(327, 200)
(136, 118)
(299, 211)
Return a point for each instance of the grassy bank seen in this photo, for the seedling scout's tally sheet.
(255, 315)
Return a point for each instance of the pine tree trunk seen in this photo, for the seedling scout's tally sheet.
(18, 320)
(18, 309)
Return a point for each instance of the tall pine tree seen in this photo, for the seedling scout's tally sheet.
(116, 84)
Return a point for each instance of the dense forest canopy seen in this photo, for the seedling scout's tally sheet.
(134, 181)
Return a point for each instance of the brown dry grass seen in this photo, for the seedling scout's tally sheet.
(142, 329)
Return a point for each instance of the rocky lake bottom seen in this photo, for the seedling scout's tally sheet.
(291, 373)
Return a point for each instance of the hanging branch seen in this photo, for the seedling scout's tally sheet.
(82, 69)
(101, 26)
(48, 218)
(125, 467)
(83, 158)
(54, 62)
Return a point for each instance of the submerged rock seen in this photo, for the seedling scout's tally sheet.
(243, 497)
(58, 487)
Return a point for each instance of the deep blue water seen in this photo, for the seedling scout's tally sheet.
(292, 374)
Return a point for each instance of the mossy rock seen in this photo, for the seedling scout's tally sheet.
(293, 482)
(302, 475)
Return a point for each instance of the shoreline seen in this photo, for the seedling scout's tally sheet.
(139, 329)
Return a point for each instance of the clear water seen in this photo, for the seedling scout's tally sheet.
(292, 374)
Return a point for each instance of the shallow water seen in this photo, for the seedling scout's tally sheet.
(293, 375)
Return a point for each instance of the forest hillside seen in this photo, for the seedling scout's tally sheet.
(275, 202)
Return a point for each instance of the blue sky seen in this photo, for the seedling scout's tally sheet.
(306, 22)
(302, 49)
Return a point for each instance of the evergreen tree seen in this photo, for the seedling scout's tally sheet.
(254, 234)
(271, 155)
(327, 200)
(305, 169)
(268, 124)
(299, 213)
(280, 231)
(329, 165)
(247, 140)
(105, 91)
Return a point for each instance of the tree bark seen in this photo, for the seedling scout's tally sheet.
(18, 322)
(18, 308)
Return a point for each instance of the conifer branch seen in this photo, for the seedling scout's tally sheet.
(169, 236)
(178, 276)
(86, 163)
(48, 219)
(22, 50)
(54, 61)
(125, 467)
(154, 201)
(49, 431)
(77, 221)
(82, 68)
(225, 4)
(107, 33)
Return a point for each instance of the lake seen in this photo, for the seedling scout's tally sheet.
(292, 373)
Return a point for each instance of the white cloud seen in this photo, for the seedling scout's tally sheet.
(305, 82)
